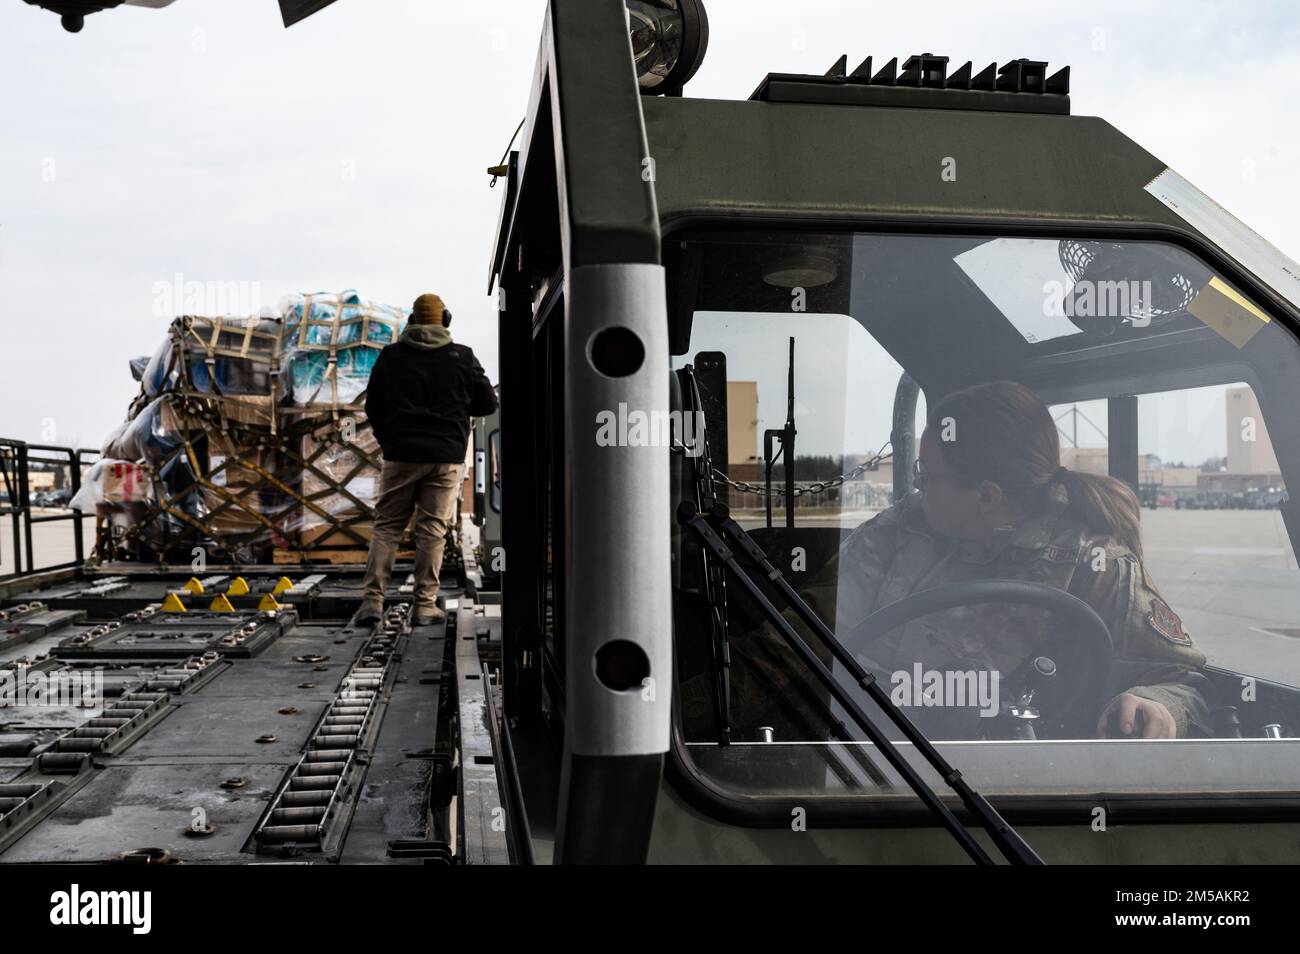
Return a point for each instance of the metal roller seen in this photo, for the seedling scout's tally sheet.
(62, 762)
(284, 834)
(290, 799)
(322, 768)
(298, 815)
(331, 731)
(66, 744)
(19, 790)
(315, 782)
(342, 723)
(327, 755)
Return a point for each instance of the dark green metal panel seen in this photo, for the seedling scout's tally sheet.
(583, 147)
(718, 157)
(601, 143)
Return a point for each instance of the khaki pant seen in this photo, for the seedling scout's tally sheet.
(429, 492)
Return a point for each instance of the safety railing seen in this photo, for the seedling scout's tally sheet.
(19, 460)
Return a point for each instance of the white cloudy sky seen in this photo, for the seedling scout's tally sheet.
(206, 140)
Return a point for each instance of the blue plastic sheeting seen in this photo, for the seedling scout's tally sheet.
(143, 437)
(346, 325)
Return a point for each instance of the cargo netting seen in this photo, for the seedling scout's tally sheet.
(249, 438)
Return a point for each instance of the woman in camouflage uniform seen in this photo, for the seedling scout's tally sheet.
(994, 503)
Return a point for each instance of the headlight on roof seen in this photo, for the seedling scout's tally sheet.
(669, 39)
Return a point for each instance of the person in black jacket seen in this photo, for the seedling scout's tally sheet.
(421, 394)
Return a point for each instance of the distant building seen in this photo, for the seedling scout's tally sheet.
(1244, 422)
(1086, 460)
(1096, 460)
(1176, 478)
(742, 429)
(1152, 473)
(1230, 483)
(39, 481)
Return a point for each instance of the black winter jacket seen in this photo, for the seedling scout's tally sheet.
(421, 394)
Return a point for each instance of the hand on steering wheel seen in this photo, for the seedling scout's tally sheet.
(1133, 717)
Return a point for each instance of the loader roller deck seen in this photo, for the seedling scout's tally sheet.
(228, 736)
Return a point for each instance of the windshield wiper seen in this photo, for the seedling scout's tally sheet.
(785, 437)
(713, 579)
(714, 586)
(710, 529)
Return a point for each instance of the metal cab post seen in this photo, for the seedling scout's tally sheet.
(583, 160)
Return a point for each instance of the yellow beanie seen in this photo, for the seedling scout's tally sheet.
(427, 310)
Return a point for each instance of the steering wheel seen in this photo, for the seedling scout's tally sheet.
(1095, 652)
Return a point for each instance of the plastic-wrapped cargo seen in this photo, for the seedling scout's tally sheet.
(111, 482)
(230, 356)
(252, 433)
(158, 438)
(234, 488)
(331, 343)
(340, 485)
(224, 369)
(160, 373)
(127, 483)
(149, 435)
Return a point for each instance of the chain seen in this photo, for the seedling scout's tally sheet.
(815, 487)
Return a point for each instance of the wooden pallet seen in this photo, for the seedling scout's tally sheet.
(328, 538)
(335, 556)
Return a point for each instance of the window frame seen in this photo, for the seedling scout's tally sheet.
(865, 811)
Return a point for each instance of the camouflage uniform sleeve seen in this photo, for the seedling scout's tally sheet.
(845, 590)
(1154, 658)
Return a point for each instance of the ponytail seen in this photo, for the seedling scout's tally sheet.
(1105, 505)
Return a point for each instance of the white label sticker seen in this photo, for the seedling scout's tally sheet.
(362, 487)
(1228, 232)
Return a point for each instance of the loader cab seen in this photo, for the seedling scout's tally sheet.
(752, 304)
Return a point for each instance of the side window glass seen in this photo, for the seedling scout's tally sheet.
(1169, 614)
(1215, 543)
(844, 387)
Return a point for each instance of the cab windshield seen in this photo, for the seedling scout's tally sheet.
(888, 415)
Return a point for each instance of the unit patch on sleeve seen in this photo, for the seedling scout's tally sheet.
(1166, 622)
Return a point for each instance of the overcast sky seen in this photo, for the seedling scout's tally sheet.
(205, 140)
